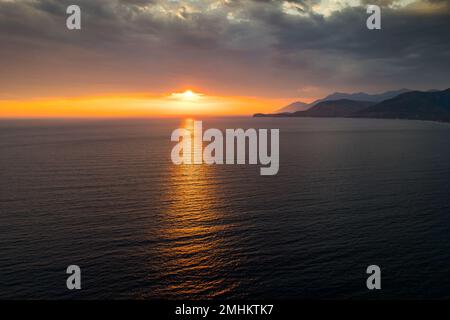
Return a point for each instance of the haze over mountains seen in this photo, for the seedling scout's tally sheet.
(295, 106)
(402, 104)
(335, 108)
(360, 96)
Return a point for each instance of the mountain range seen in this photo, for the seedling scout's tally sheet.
(295, 106)
(334, 108)
(360, 96)
(430, 105)
(401, 104)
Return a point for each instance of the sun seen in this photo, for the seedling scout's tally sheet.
(187, 95)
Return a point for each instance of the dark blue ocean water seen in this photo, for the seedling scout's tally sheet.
(105, 195)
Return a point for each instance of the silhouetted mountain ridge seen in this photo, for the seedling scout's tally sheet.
(336, 108)
(429, 105)
(360, 96)
(418, 105)
(294, 107)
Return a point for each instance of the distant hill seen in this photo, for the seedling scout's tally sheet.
(337, 108)
(430, 105)
(362, 96)
(419, 105)
(294, 107)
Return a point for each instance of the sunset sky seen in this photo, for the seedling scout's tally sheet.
(216, 57)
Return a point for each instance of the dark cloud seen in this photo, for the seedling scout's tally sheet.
(382, 3)
(253, 47)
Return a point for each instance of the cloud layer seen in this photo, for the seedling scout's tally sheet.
(263, 48)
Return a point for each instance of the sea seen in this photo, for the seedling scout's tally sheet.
(103, 194)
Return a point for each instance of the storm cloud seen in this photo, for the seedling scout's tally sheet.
(262, 48)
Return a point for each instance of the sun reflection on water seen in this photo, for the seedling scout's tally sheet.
(193, 249)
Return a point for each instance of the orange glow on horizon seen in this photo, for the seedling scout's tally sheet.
(175, 104)
(187, 95)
